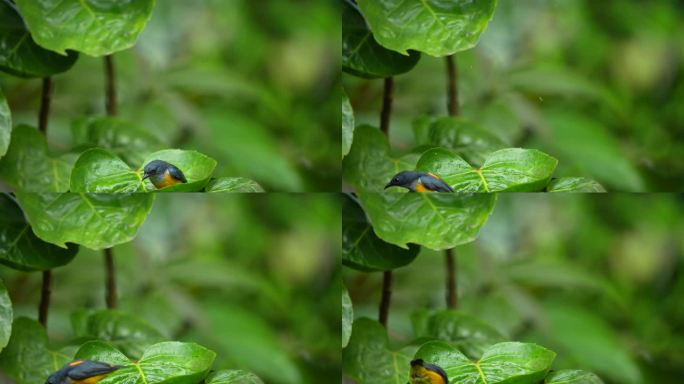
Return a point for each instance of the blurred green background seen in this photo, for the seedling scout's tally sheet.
(254, 85)
(597, 84)
(599, 279)
(256, 278)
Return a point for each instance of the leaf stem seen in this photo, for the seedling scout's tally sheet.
(387, 99)
(110, 86)
(45, 100)
(110, 279)
(452, 86)
(451, 296)
(383, 314)
(45, 293)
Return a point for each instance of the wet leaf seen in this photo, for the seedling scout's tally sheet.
(5, 124)
(96, 221)
(100, 171)
(20, 248)
(438, 28)
(233, 377)
(96, 28)
(570, 376)
(347, 124)
(574, 184)
(347, 317)
(233, 184)
(434, 220)
(6, 316)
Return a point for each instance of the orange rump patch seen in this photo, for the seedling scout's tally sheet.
(75, 363)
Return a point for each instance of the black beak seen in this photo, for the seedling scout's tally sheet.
(145, 176)
(389, 185)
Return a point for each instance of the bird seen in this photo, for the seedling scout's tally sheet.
(419, 182)
(423, 373)
(163, 174)
(82, 372)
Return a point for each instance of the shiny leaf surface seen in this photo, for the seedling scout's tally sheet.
(168, 362)
(126, 140)
(347, 124)
(100, 171)
(20, 248)
(96, 221)
(233, 377)
(362, 55)
(6, 316)
(5, 124)
(233, 184)
(369, 165)
(438, 28)
(435, 220)
(29, 167)
(362, 249)
(506, 170)
(196, 167)
(94, 27)
(575, 184)
(368, 360)
(347, 317)
(20, 55)
(510, 363)
(28, 358)
(469, 334)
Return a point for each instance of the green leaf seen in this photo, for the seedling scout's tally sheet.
(20, 248)
(20, 55)
(233, 377)
(466, 138)
(362, 249)
(368, 360)
(5, 124)
(126, 332)
(452, 219)
(6, 315)
(233, 184)
(369, 165)
(28, 359)
(168, 362)
(96, 28)
(347, 317)
(128, 141)
(510, 363)
(96, 221)
(506, 170)
(469, 334)
(574, 184)
(438, 28)
(347, 124)
(196, 167)
(100, 171)
(29, 167)
(570, 376)
(362, 55)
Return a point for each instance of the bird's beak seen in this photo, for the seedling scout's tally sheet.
(145, 176)
(389, 185)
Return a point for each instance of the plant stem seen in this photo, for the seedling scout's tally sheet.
(452, 86)
(451, 296)
(45, 100)
(110, 279)
(387, 98)
(110, 86)
(45, 293)
(386, 297)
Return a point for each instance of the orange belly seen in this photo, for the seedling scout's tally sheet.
(167, 181)
(90, 380)
(421, 188)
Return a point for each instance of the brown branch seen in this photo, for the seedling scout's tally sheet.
(451, 296)
(45, 99)
(110, 279)
(383, 314)
(110, 86)
(452, 86)
(387, 98)
(45, 293)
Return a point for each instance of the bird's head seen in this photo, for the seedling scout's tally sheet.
(402, 179)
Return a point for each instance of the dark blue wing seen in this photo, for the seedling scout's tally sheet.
(176, 173)
(434, 183)
(89, 369)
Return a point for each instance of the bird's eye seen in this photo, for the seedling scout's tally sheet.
(396, 179)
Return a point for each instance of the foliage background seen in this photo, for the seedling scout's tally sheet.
(252, 84)
(596, 278)
(597, 85)
(255, 278)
